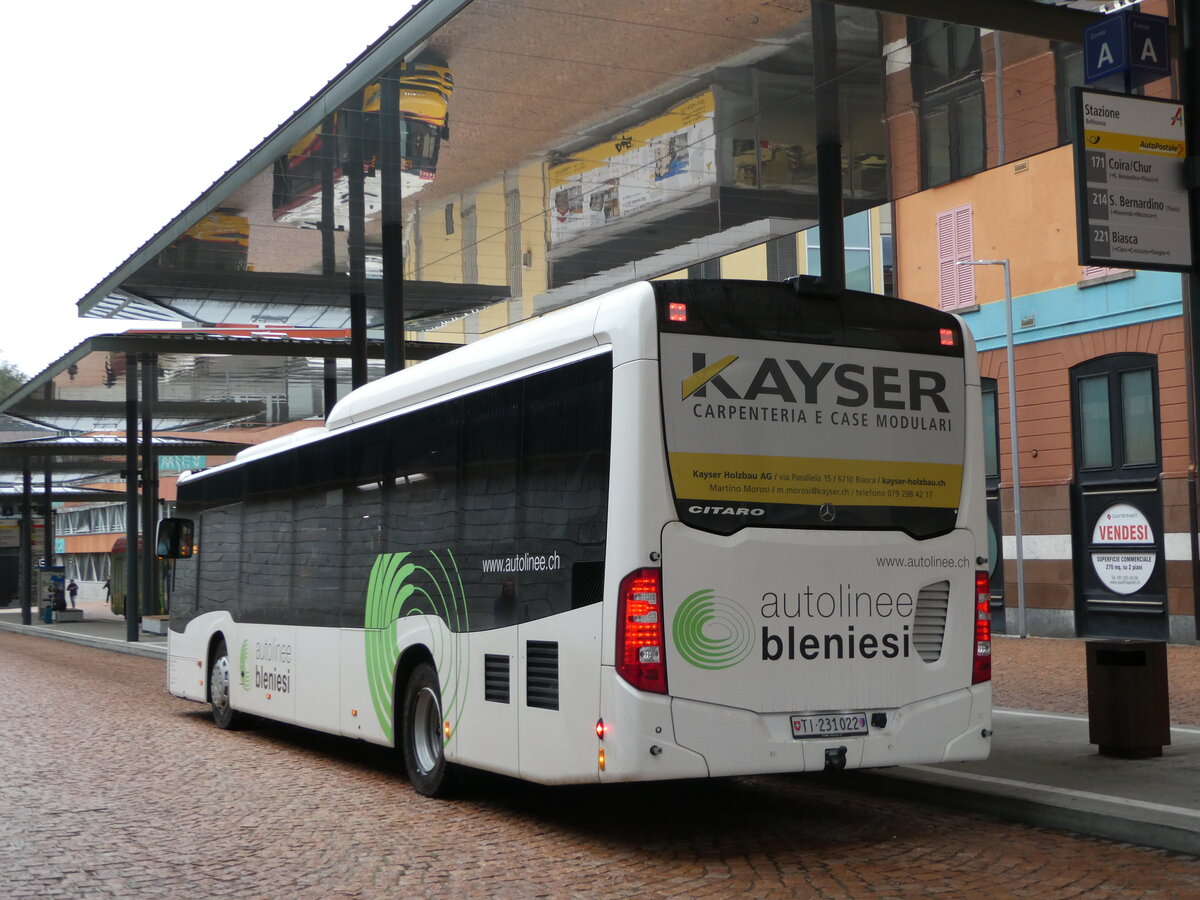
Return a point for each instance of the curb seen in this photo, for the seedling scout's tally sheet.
(154, 651)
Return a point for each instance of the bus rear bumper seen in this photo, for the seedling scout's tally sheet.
(948, 728)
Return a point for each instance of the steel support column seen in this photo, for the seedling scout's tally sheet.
(47, 514)
(149, 555)
(132, 606)
(330, 385)
(25, 559)
(328, 188)
(356, 247)
(391, 159)
(1188, 23)
(829, 144)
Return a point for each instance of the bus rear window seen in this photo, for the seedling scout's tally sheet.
(780, 409)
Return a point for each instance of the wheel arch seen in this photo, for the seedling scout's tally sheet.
(413, 655)
(217, 637)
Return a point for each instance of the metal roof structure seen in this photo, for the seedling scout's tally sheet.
(213, 390)
(209, 379)
(186, 395)
(482, 207)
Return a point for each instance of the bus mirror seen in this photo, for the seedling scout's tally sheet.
(176, 538)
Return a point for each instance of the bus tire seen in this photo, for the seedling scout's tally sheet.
(223, 713)
(424, 747)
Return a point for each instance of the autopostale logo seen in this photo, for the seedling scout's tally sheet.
(712, 632)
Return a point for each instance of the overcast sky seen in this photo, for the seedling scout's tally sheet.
(118, 115)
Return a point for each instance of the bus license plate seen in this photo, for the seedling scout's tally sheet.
(829, 725)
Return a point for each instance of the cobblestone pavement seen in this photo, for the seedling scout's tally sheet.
(1050, 675)
(111, 788)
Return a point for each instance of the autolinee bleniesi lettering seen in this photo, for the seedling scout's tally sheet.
(844, 602)
(271, 679)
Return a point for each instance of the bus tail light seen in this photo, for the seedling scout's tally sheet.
(981, 669)
(640, 658)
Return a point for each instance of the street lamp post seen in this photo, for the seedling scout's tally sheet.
(1012, 420)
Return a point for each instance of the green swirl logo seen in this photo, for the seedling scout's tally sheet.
(712, 632)
(244, 669)
(426, 583)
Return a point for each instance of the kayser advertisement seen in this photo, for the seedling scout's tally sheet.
(758, 427)
(752, 423)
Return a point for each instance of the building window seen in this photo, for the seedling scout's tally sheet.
(1095, 435)
(1116, 416)
(857, 241)
(991, 429)
(709, 269)
(1092, 273)
(948, 90)
(955, 244)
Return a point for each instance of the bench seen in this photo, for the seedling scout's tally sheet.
(155, 624)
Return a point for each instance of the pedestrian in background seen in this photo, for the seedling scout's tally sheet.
(108, 589)
(72, 589)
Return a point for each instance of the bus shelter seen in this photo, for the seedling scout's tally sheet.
(115, 406)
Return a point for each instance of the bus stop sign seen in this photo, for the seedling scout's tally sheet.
(1131, 44)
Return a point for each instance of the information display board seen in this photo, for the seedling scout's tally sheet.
(1131, 201)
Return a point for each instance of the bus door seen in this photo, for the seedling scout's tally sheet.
(1117, 534)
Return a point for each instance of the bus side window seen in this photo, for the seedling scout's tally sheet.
(176, 538)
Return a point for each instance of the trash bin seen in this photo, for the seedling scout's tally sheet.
(1128, 707)
(48, 614)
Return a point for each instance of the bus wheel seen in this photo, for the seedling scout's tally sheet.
(424, 755)
(218, 687)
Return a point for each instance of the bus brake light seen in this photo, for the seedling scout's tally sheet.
(677, 312)
(640, 658)
(981, 669)
(947, 337)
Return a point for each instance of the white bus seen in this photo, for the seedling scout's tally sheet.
(684, 529)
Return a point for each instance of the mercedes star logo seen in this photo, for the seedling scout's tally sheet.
(828, 513)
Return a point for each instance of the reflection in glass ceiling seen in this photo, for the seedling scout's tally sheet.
(204, 382)
(214, 392)
(524, 154)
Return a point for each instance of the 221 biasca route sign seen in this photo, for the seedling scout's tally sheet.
(1129, 175)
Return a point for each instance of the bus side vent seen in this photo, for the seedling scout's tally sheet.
(541, 674)
(495, 678)
(929, 622)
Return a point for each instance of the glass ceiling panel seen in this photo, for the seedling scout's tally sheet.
(193, 391)
(532, 153)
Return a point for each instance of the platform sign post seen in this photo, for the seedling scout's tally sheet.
(1131, 201)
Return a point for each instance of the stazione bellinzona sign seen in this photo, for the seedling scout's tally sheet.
(1131, 202)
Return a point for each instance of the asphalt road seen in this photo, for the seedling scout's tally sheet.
(112, 788)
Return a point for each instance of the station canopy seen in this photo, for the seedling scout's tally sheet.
(215, 391)
(506, 157)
